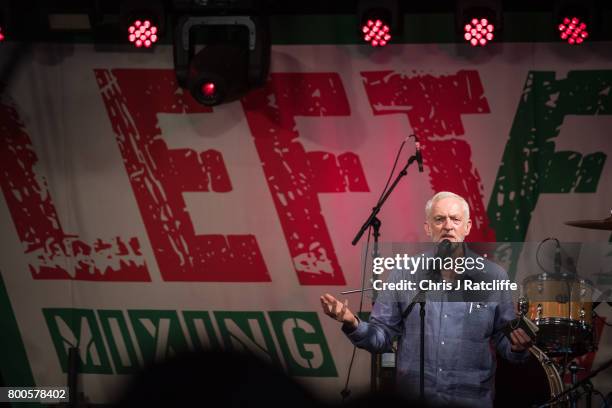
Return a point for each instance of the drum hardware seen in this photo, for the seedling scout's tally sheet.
(583, 289)
(573, 393)
(560, 304)
(564, 315)
(523, 305)
(573, 369)
(555, 383)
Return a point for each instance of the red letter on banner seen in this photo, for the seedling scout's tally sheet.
(53, 253)
(295, 176)
(434, 106)
(159, 177)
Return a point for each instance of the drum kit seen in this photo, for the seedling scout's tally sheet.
(562, 308)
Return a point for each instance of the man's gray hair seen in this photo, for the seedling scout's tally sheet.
(446, 194)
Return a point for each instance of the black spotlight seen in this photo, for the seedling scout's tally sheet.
(219, 58)
(218, 73)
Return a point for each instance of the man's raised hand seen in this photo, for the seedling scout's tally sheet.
(338, 310)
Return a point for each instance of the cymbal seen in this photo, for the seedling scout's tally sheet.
(605, 224)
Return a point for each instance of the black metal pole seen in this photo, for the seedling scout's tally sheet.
(375, 252)
(420, 299)
(379, 205)
(589, 394)
(375, 357)
(73, 368)
(422, 356)
(375, 223)
(574, 372)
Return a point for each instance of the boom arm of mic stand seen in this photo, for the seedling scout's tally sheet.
(380, 203)
(418, 298)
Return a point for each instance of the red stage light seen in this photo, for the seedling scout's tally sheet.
(478, 32)
(208, 89)
(376, 32)
(573, 30)
(142, 33)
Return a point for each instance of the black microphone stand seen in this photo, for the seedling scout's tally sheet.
(370, 221)
(420, 299)
(375, 223)
(376, 362)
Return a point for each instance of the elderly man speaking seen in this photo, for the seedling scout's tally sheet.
(459, 359)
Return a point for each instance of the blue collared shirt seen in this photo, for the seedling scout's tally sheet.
(460, 343)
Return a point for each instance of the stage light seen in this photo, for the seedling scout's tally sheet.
(218, 73)
(376, 32)
(208, 89)
(575, 21)
(6, 28)
(478, 32)
(573, 30)
(378, 21)
(478, 21)
(234, 56)
(142, 22)
(142, 33)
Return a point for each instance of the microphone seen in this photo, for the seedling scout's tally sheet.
(419, 156)
(444, 248)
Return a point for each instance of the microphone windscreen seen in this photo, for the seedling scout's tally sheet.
(444, 248)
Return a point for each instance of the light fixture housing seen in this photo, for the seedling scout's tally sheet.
(142, 22)
(478, 22)
(575, 22)
(4, 18)
(378, 21)
(235, 56)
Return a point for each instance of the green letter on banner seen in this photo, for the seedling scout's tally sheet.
(201, 330)
(119, 341)
(530, 164)
(78, 328)
(247, 331)
(158, 333)
(303, 344)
